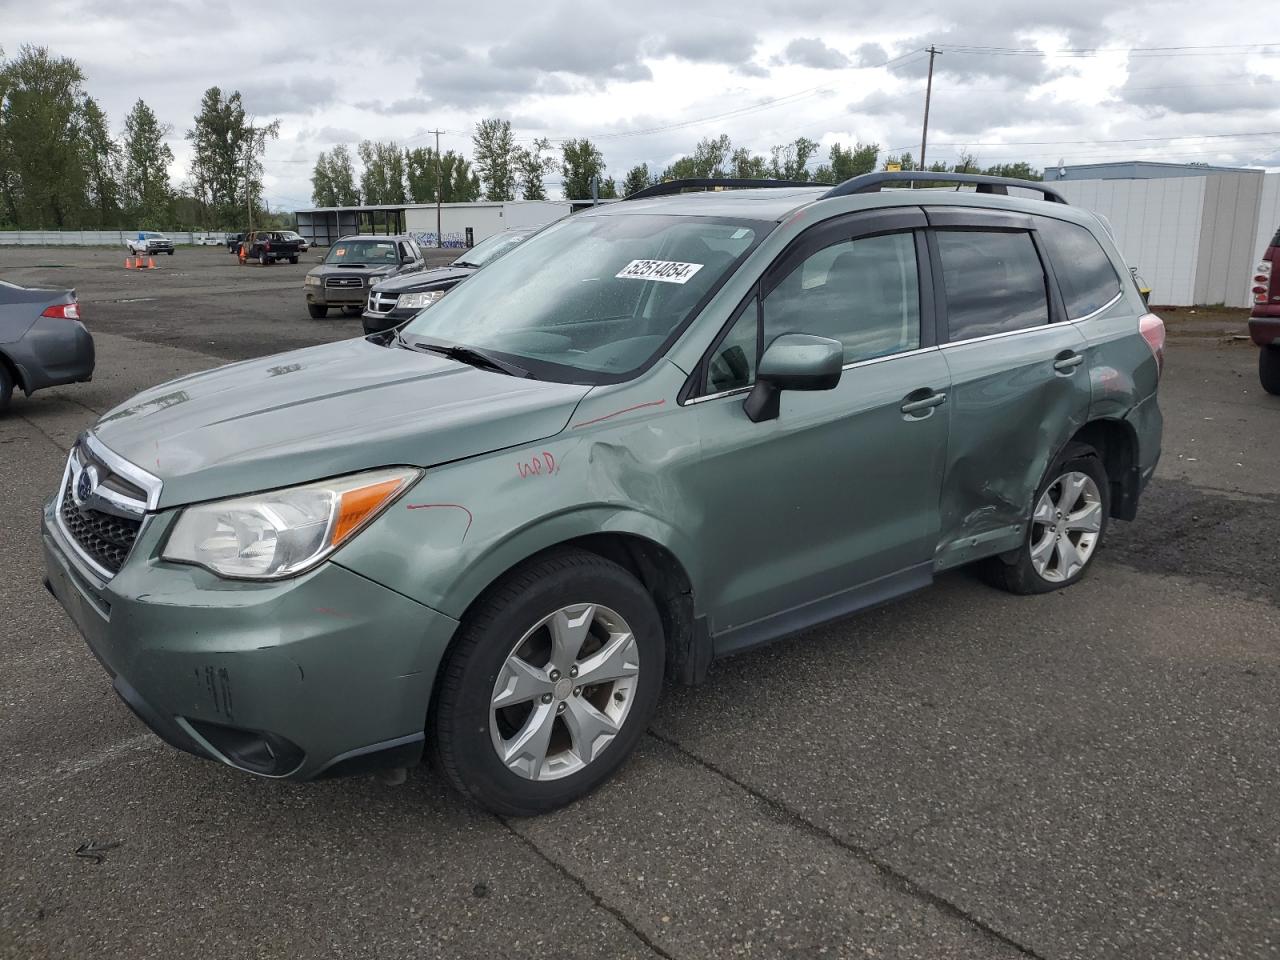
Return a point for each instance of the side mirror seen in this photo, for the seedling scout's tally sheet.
(794, 361)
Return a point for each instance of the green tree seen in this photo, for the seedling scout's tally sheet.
(342, 177)
(382, 180)
(459, 183)
(710, 158)
(322, 183)
(846, 162)
(965, 163)
(1021, 170)
(581, 162)
(148, 198)
(747, 165)
(531, 166)
(906, 161)
(791, 160)
(43, 176)
(226, 159)
(495, 158)
(637, 179)
(102, 166)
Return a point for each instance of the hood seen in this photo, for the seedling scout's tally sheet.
(370, 273)
(425, 280)
(325, 411)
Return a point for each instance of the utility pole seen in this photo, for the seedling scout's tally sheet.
(928, 95)
(439, 188)
(248, 176)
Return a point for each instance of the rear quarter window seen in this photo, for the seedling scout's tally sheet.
(1085, 275)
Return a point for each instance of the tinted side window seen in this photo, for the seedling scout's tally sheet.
(994, 282)
(864, 293)
(1085, 276)
(733, 361)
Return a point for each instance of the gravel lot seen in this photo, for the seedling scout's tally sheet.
(1092, 773)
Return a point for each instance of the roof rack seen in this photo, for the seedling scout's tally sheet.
(668, 187)
(872, 182)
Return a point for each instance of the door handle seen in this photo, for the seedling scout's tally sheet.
(924, 403)
(1068, 362)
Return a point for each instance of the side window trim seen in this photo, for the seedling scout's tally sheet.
(1057, 303)
(696, 388)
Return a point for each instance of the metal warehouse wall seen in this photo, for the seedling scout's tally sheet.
(484, 219)
(1227, 232)
(1157, 226)
(1268, 214)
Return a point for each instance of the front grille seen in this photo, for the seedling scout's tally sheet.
(382, 302)
(344, 283)
(106, 540)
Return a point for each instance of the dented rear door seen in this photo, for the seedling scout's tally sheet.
(1019, 377)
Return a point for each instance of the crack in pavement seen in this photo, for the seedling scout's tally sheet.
(582, 885)
(892, 877)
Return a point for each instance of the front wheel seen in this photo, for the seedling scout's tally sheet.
(293, 259)
(1269, 369)
(263, 259)
(553, 679)
(1068, 522)
(317, 311)
(353, 311)
(170, 252)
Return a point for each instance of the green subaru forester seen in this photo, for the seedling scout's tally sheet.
(656, 433)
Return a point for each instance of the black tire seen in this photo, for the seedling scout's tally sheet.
(353, 311)
(1269, 369)
(263, 259)
(170, 252)
(1015, 571)
(6, 387)
(458, 725)
(317, 312)
(293, 259)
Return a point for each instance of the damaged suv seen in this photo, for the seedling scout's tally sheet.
(656, 433)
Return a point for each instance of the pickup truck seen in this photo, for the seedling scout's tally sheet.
(149, 242)
(268, 246)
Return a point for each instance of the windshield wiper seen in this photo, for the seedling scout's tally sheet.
(468, 355)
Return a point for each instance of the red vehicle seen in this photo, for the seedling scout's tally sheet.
(1264, 322)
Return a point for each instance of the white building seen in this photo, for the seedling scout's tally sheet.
(462, 224)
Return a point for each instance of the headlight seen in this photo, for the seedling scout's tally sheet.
(312, 281)
(416, 301)
(270, 536)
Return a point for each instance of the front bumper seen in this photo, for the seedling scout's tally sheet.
(378, 322)
(336, 296)
(294, 679)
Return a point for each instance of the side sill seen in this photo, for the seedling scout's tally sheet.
(833, 607)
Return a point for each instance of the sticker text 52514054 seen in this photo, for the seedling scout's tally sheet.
(664, 271)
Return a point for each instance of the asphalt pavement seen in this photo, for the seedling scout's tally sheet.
(963, 773)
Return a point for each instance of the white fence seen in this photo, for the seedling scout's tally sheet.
(95, 238)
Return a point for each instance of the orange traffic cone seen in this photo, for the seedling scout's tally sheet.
(151, 263)
(128, 263)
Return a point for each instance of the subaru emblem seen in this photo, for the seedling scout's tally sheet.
(87, 484)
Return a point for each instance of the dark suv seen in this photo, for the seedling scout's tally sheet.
(395, 300)
(353, 265)
(1264, 322)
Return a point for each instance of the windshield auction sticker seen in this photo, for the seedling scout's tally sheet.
(664, 271)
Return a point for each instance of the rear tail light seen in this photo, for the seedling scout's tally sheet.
(63, 311)
(1152, 329)
(1262, 282)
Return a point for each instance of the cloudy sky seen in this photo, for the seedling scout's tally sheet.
(1075, 80)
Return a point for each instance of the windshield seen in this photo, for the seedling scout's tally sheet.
(363, 252)
(490, 249)
(592, 299)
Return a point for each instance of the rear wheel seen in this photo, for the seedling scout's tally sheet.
(170, 252)
(317, 311)
(293, 259)
(553, 679)
(263, 259)
(6, 387)
(1269, 369)
(1068, 521)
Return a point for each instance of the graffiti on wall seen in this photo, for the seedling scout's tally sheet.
(453, 239)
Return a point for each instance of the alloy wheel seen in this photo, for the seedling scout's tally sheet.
(564, 692)
(1065, 527)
